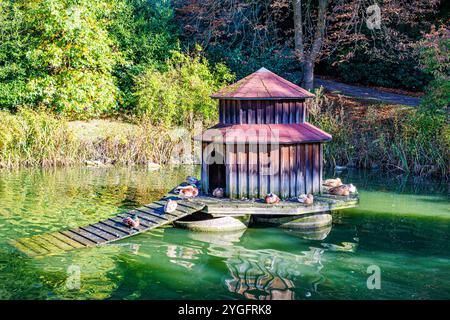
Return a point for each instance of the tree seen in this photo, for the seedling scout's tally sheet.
(312, 30)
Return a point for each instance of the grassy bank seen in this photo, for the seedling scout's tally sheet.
(365, 135)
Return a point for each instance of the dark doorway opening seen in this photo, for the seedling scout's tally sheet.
(216, 174)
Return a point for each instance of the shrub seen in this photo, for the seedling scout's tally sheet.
(180, 94)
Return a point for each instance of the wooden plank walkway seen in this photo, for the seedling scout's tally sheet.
(152, 216)
(112, 229)
(232, 207)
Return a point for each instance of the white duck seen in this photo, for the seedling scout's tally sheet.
(170, 206)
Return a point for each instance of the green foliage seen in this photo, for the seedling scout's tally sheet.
(145, 34)
(179, 95)
(435, 58)
(12, 54)
(66, 58)
(243, 62)
(78, 57)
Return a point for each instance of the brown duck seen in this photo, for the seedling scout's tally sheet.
(332, 182)
(342, 190)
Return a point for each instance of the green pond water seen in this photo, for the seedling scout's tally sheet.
(402, 227)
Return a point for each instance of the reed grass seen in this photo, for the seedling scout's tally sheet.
(389, 137)
(371, 136)
(37, 139)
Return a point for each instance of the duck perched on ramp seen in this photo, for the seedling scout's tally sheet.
(132, 222)
(170, 206)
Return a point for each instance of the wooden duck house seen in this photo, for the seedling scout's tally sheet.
(263, 143)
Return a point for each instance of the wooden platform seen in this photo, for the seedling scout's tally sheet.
(230, 207)
(151, 216)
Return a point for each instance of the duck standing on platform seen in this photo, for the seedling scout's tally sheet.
(272, 198)
(332, 182)
(170, 206)
(188, 191)
(132, 222)
(218, 193)
(306, 199)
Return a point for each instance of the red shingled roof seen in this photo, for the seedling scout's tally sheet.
(261, 133)
(263, 85)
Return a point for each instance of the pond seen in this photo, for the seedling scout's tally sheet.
(402, 227)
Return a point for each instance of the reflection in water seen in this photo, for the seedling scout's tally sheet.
(402, 226)
(344, 246)
(310, 234)
(253, 274)
(270, 275)
(183, 256)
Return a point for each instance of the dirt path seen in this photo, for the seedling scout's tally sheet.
(367, 93)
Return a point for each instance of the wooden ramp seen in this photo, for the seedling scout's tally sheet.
(151, 216)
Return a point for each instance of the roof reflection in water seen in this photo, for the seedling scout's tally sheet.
(258, 274)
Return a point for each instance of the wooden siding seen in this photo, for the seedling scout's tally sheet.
(262, 111)
(254, 170)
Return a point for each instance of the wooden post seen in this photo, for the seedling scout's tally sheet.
(253, 170)
(285, 118)
(242, 170)
(278, 114)
(293, 171)
(321, 168)
(263, 168)
(231, 171)
(260, 113)
(205, 180)
(301, 169)
(275, 168)
(308, 171)
(298, 110)
(284, 171)
(316, 167)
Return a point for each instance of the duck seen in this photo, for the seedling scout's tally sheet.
(192, 180)
(332, 182)
(272, 198)
(342, 190)
(189, 191)
(218, 193)
(132, 222)
(170, 206)
(306, 199)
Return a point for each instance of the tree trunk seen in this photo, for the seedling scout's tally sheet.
(308, 57)
(298, 30)
(308, 74)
